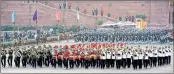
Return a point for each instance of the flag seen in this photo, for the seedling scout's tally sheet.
(35, 16)
(58, 15)
(13, 16)
(78, 17)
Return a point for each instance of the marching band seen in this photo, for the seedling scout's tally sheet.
(103, 57)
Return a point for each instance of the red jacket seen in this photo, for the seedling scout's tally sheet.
(54, 57)
(89, 53)
(86, 58)
(77, 58)
(95, 52)
(59, 57)
(66, 54)
(70, 58)
(74, 52)
(82, 56)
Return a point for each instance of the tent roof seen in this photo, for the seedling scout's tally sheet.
(108, 23)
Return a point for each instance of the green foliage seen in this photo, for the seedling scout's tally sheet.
(100, 22)
(73, 28)
(26, 28)
(142, 16)
(56, 27)
(9, 28)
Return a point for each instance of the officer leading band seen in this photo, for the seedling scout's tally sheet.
(69, 58)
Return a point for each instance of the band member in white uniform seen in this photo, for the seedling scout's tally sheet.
(124, 59)
(155, 57)
(129, 61)
(108, 59)
(150, 54)
(135, 60)
(169, 54)
(118, 59)
(163, 56)
(140, 59)
(159, 57)
(103, 60)
(146, 60)
(113, 59)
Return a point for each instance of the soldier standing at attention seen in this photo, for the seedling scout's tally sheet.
(3, 59)
(10, 57)
(24, 58)
(34, 58)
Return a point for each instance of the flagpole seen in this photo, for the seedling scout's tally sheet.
(14, 26)
(36, 25)
(58, 33)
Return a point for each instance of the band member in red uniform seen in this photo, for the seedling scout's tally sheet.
(82, 60)
(90, 61)
(65, 58)
(71, 61)
(93, 60)
(59, 59)
(86, 61)
(54, 60)
(77, 60)
(98, 59)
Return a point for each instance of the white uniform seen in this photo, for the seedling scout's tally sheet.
(160, 54)
(155, 54)
(150, 54)
(129, 55)
(124, 56)
(119, 57)
(108, 55)
(140, 56)
(113, 55)
(169, 52)
(103, 56)
(146, 57)
(135, 57)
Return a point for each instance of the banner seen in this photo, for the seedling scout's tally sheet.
(35, 16)
(13, 16)
(58, 15)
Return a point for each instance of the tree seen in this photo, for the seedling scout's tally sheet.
(74, 28)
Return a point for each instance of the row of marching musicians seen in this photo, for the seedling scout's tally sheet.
(89, 58)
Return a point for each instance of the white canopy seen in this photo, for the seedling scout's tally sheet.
(121, 23)
(109, 23)
(129, 23)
